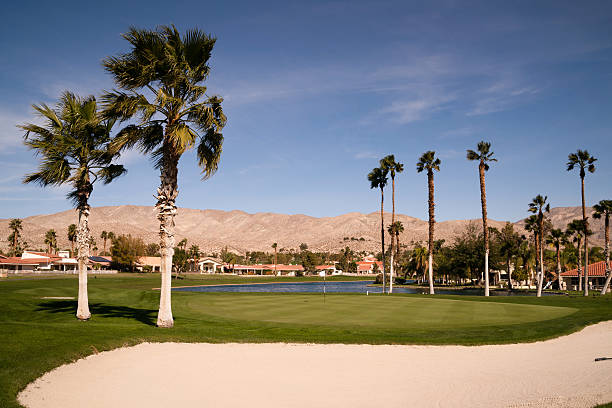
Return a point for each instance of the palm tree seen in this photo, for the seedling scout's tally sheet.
(74, 149)
(419, 257)
(430, 162)
(275, 246)
(584, 161)
(484, 155)
(537, 206)
(16, 226)
(399, 228)
(72, 233)
(604, 209)
(388, 163)
(51, 240)
(557, 238)
(576, 230)
(194, 253)
(532, 225)
(104, 236)
(509, 247)
(176, 116)
(378, 179)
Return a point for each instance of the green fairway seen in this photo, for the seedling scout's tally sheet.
(395, 312)
(40, 334)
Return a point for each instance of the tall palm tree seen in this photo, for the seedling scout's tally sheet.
(483, 156)
(430, 162)
(538, 206)
(388, 163)
(419, 258)
(161, 80)
(73, 144)
(399, 228)
(194, 253)
(532, 225)
(604, 209)
(72, 234)
(104, 236)
(509, 247)
(584, 161)
(557, 238)
(275, 246)
(16, 226)
(378, 179)
(576, 231)
(51, 241)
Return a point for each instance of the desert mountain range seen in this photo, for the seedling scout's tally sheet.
(213, 230)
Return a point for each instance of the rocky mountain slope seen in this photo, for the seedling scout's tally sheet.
(240, 231)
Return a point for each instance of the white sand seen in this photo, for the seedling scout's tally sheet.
(556, 373)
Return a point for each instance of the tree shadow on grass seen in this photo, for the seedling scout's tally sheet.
(146, 316)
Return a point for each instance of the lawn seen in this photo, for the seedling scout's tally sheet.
(40, 334)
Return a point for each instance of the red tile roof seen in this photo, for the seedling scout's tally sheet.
(18, 261)
(595, 269)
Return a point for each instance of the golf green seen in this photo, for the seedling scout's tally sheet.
(399, 313)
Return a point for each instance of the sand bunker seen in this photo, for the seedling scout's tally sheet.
(556, 373)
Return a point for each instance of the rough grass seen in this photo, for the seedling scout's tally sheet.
(40, 334)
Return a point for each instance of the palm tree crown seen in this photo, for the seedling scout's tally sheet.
(177, 115)
(74, 147)
(389, 164)
(378, 178)
(539, 205)
(484, 154)
(583, 160)
(602, 209)
(428, 161)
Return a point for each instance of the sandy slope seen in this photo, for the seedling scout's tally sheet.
(556, 373)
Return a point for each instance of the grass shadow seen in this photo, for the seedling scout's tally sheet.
(145, 316)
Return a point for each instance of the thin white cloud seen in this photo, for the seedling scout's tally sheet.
(407, 111)
(366, 155)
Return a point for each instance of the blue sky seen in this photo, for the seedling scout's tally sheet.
(317, 92)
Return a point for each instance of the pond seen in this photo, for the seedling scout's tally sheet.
(339, 287)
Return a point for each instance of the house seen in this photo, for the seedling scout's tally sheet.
(153, 262)
(210, 265)
(329, 269)
(367, 266)
(597, 276)
(39, 262)
(265, 269)
(100, 262)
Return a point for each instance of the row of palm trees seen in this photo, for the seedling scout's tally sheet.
(483, 155)
(160, 92)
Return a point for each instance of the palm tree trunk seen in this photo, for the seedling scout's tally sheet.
(509, 273)
(382, 233)
(558, 247)
(82, 257)
(430, 185)
(579, 266)
(104, 246)
(166, 206)
(483, 202)
(607, 254)
(391, 266)
(541, 280)
(586, 240)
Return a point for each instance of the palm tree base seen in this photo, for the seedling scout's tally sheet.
(165, 323)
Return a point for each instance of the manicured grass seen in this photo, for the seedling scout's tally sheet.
(40, 334)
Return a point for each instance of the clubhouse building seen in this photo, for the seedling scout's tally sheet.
(597, 276)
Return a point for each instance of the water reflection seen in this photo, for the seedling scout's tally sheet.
(342, 287)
